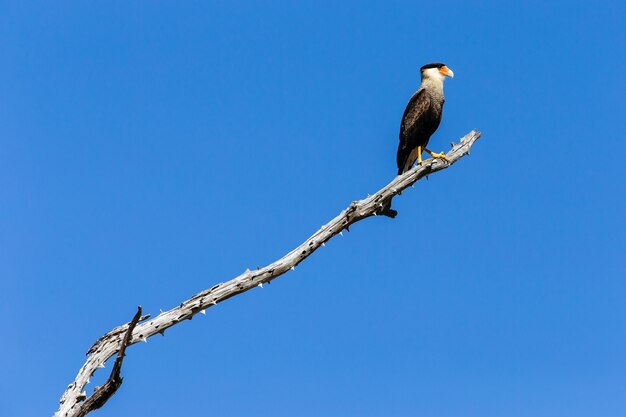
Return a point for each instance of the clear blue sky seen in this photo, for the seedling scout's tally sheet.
(150, 150)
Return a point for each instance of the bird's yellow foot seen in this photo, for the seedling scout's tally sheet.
(439, 155)
(419, 156)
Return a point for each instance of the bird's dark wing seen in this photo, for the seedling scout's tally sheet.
(412, 121)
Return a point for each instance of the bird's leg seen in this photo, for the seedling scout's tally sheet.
(419, 155)
(439, 155)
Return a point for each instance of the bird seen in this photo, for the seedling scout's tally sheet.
(420, 120)
(422, 116)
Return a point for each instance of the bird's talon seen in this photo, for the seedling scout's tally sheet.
(440, 155)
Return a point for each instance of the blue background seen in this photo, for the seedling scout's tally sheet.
(149, 150)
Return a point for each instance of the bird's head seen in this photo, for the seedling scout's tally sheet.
(436, 71)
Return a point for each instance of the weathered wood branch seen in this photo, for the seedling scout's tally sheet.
(105, 391)
(73, 400)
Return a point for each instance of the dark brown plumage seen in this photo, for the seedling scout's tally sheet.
(420, 120)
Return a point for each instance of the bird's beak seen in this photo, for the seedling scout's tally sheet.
(446, 72)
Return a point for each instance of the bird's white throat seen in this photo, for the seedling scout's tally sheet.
(434, 84)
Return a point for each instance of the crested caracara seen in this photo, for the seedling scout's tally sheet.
(422, 117)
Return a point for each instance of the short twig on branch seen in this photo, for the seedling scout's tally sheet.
(74, 402)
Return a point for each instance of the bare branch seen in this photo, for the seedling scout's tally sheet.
(73, 402)
(102, 393)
